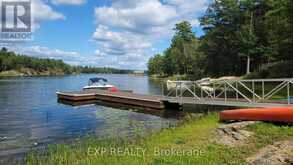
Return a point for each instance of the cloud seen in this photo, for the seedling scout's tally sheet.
(195, 22)
(123, 62)
(143, 16)
(118, 43)
(45, 52)
(70, 57)
(41, 12)
(127, 30)
(188, 6)
(120, 49)
(129, 61)
(69, 2)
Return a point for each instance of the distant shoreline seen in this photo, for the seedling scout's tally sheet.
(30, 73)
(15, 73)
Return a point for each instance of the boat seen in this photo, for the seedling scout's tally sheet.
(204, 83)
(281, 114)
(99, 83)
(183, 85)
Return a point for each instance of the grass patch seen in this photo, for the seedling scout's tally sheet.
(268, 133)
(193, 135)
(172, 78)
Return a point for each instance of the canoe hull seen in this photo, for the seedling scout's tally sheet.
(263, 114)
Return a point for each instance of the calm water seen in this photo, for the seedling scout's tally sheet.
(30, 115)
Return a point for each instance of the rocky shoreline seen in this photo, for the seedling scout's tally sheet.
(234, 135)
(279, 153)
(30, 72)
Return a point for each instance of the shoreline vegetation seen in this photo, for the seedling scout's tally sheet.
(15, 65)
(253, 39)
(191, 142)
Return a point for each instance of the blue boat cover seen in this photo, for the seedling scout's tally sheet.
(97, 79)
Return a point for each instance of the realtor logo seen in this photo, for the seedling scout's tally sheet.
(16, 21)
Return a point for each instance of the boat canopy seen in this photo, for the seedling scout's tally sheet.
(97, 79)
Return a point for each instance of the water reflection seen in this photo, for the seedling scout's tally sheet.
(31, 116)
(30, 113)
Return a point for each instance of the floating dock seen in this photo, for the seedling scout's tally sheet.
(121, 97)
(162, 102)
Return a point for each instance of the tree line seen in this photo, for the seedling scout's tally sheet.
(240, 36)
(90, 69)
(12, 61)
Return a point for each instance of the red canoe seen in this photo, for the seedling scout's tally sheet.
(282, 114)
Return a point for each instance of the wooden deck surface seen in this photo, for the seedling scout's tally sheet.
(124, 97)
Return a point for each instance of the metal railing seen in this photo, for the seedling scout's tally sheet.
(251, 91)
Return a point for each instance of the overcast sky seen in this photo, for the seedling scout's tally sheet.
(111, 33)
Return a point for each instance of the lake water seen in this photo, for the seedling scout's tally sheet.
(31, 116)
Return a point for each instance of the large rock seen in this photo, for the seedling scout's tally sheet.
(280, 153)
(233, 134)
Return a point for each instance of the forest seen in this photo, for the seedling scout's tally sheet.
(32, 66)
(241, 37)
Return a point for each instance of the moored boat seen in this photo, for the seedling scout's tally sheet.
(173, 85)
(281, 114)
(98, 83)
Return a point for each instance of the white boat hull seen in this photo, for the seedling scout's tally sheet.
(101, 87)
(172, 85)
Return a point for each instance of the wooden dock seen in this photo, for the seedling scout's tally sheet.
(155, 102)
(121, 97)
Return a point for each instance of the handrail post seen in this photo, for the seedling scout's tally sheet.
(263, 89)
(163, 94)
(253, 90)
(201, 93)
(237, 96)
(181, 92)
(214, 87)
(193, 84)
(180, 89)
(288, 92)
(225, 90)
(176, 93)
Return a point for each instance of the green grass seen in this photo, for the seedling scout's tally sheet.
(193, 135)
(172, 78)
(268, 133)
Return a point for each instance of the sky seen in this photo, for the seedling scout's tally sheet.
(106, 33)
